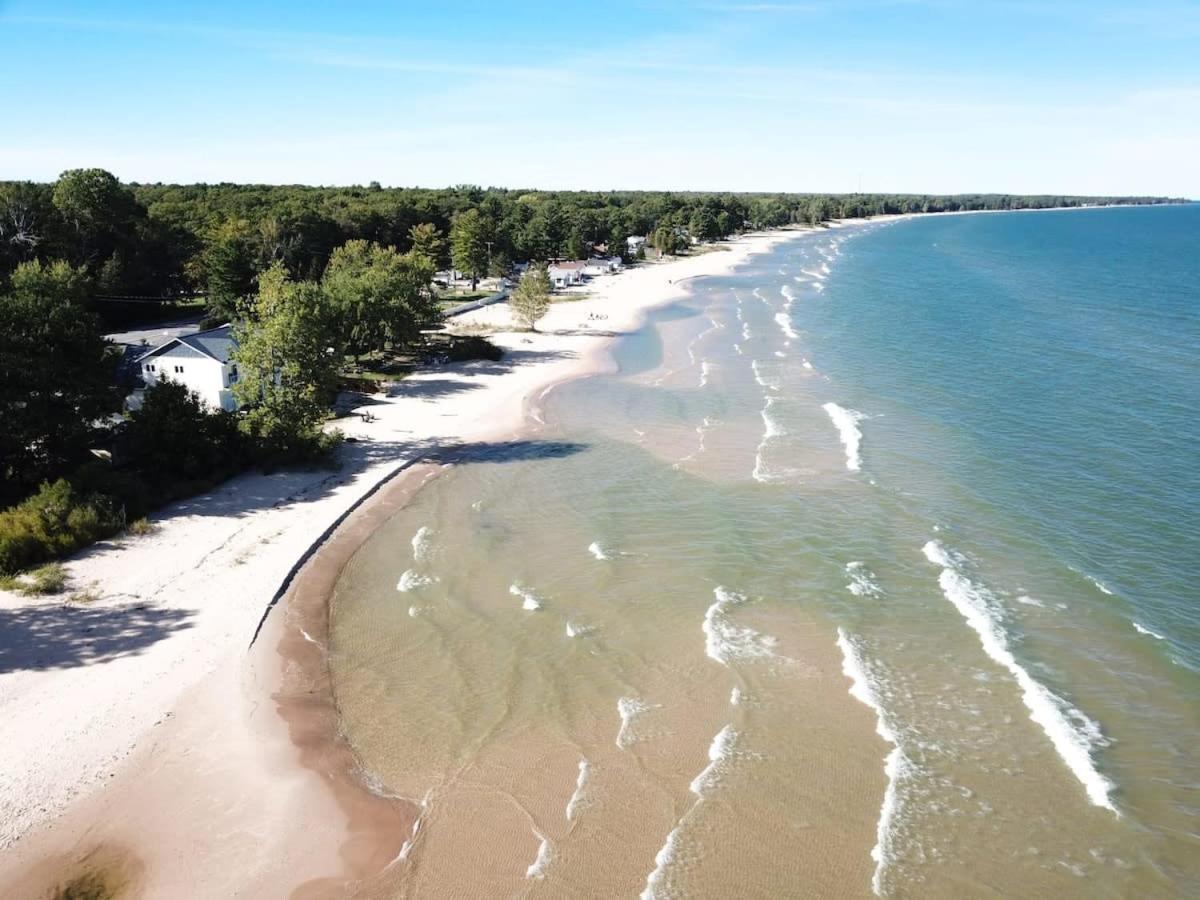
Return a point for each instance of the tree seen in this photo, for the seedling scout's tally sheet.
(379, 296)
(228, 269)
(531, 297)
(99, 209)
(287, 366)
(429, 242)
(57, 374)
(468, 245)
(173, 436)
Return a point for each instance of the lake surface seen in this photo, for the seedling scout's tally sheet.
(874, 569)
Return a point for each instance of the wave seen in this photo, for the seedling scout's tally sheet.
(422, 544)
(846, 421)
(537, 869)
(407, 846)
(735, 697)
(705, 369)
(814, 273)
(530, 602)
(895, 766)
(788, 295)
(628, 708)
(1142, 629)
(862, 580)
(725, 642)
(577, 795)
(806, 364)
(771, 430)
(1072, 733)
(762, 379)
(575, 630)
(719, 753)
(411, 580)
(662, 860)
(784, 321)
(747, 334)
(597, 551)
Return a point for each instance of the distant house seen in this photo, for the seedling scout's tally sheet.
(202, 361)
(565, 274)
(635, 244)
(601, 265)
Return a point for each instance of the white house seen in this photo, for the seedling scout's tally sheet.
(202, 361)
(635, 244)
(565, 274)
(602, 265)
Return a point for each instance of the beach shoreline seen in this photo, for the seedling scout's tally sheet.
(173, 688)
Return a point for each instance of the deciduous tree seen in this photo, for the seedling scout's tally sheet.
(531, 297)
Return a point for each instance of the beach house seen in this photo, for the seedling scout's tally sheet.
(634, 244)
(602, 265)
(565, 274)
(202, 361)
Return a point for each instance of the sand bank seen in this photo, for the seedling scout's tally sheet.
(146, 738)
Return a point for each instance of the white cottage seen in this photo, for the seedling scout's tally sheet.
(602, 265)
(202, 361)
(565, 274)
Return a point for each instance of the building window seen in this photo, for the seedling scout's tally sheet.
(149, 368)
(179, 369)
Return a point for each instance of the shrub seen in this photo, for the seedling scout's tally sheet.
(141, 527)
(48, 579)
(52, 523)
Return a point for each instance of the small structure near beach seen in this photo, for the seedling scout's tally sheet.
(565, 274)
(203, 362)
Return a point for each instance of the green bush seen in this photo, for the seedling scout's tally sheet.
(55, 521)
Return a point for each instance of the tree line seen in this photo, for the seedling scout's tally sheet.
(157, 240)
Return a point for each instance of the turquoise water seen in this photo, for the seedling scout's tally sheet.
(945, 464)
(1059, 355)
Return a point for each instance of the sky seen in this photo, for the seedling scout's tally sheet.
(937, 96)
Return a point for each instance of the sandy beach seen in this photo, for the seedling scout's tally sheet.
(150, 738)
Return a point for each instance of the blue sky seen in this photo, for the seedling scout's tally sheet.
(878, 95)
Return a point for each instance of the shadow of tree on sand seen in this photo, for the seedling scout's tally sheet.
(64, 636)
(502, 451)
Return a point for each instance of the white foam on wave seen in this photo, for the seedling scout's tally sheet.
(784, 321)
(862, 580)
(628, 708)
(705, 370)
(411, 580)
(814, 273)
(726, 642)
(1142, 629)
(846, 422)
(806, 364)
(1026, 600)
(597, 551)
(772, 429)
(762, 378)
(537, 869)
(577, 795)
(529, 600)
(746, 332)
(662, 861)
(735, 697)
(719, 753)
(1072, 733)
(422, 543)
(896, 765)
(819, 287)
(576, 630)
(788, 294)
(407, 846)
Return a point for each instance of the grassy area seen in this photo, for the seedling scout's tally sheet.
(50, 578)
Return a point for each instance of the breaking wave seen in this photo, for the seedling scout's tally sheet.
(1072, 733)
(846, 421)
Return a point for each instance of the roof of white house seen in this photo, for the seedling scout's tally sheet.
(569, 265)
(216, 343)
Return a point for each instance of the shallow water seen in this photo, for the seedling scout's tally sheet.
(832, 589)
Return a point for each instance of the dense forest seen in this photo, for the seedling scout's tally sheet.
(175, 240)
(313, 280)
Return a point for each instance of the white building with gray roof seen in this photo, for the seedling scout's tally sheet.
(202, 361)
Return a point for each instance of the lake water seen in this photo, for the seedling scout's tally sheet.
(873, 569)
